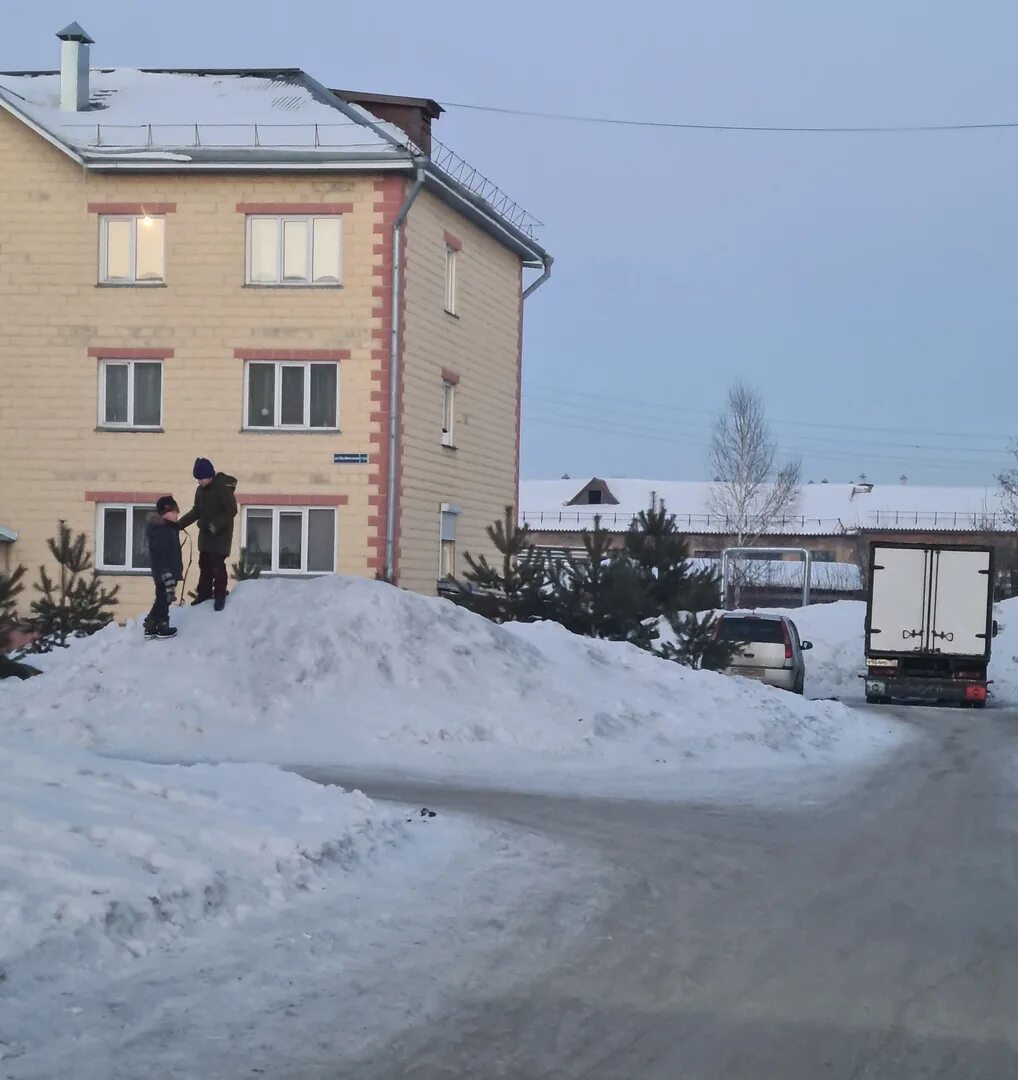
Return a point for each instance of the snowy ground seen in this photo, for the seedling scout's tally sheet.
(153, 910)
(351, 672)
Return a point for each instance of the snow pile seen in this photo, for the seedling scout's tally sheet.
(1004, 659)
(834, 663)
(102, 859)
(353, 672)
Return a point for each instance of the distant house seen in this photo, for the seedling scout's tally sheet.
(299, 283)
(834, 522)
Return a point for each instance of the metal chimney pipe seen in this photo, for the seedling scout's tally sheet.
(74, 56)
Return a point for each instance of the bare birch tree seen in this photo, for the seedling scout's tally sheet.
(1008, 481)
(751, 491)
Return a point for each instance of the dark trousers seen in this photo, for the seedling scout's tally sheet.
(211, 575)
(160, 612)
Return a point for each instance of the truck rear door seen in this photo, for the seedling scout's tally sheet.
(898, 611)
(961, 584)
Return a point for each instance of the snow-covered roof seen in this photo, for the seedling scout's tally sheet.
(821, 509)
(276, 118)
(202, 116)
(787, 574)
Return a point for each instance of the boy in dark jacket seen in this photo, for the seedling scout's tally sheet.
(166, 563)
(215, 507)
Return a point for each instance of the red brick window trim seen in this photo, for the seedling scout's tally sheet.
(291, 500)
(450, 377)
(132, 208)
(291, 354)
(294, 208)
(146, 498)
(453, 243)
(119, 353)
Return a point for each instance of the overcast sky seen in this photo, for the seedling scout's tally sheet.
(866, 284)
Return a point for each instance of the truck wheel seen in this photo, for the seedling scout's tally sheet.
(876, 699)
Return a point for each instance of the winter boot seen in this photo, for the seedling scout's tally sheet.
(150, 629)
(199, 600)
(163, 632)
(220, 603)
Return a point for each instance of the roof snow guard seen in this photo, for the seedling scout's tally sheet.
(275, 119)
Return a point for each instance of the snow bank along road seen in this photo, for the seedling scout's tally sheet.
(875, 935)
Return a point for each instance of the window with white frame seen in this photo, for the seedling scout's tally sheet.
(291, 539)
(451, 261)
(130, 393)
(121, 543)
(132, 249)
(447, 550)
(291, 395)
(294, 250)
(448, 413)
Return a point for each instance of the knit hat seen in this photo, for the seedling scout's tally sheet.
(167, 502)
(203, 469)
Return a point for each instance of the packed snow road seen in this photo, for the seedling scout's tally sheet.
(874, 935)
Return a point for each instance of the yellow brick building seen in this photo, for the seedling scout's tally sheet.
(292, 281)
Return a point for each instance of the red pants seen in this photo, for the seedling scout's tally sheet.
(212, 575)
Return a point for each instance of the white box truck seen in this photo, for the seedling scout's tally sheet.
(929, 623)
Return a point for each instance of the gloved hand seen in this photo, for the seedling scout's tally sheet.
(170, 586)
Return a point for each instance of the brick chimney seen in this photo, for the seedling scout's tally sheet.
(411, 115)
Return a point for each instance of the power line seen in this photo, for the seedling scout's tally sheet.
(772, 128)
(713, 413)
(856, 458)
(612, 412)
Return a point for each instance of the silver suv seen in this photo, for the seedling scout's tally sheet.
(771, 649)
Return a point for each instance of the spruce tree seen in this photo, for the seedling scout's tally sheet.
(10, 588)
(600, 594)
(512, 591)
(74, 605)
(244, 569)
(695, 644)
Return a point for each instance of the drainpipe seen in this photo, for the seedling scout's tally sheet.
(390, 499)
(545, 274)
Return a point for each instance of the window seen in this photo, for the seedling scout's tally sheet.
(451, 259)
(130, 393)
(299, 395)
(132, 250)
(291, 540)
(823, 556)
(739, 628)
(448, 413)
(594, 497)
(447, 553)
(300, 250)
(121, 543)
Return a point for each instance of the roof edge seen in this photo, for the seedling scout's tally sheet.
(477, 210)
(40, 129)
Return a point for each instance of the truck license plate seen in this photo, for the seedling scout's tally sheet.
(751, 672)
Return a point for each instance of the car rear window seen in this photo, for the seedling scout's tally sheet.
(747, 629)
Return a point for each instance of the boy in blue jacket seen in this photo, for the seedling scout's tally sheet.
(167, 566)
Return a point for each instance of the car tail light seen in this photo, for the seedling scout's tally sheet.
(788, 641)
(975, 693)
